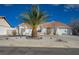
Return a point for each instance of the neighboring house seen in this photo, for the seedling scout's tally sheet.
(4, 26)
(56, 28)
(7, 29)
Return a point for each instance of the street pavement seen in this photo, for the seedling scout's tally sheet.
(38, 51)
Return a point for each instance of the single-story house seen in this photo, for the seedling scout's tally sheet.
(56, 28)
(53, 28)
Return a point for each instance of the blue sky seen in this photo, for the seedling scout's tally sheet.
(57, 12)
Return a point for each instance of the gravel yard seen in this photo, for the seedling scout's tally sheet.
(45, 41)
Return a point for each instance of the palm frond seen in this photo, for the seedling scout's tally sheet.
(34, 17)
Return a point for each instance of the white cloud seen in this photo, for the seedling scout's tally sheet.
(69, 6)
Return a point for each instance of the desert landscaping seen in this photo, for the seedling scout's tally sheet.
(42, 41)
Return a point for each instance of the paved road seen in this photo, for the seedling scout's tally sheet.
(38, 51)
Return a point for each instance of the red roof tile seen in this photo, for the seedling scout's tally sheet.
(51, 24)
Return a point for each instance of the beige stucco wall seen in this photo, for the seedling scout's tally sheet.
(63, 31)
(4, 26)
(4, 23)
(3, 30)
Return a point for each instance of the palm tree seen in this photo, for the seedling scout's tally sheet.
(34, 17)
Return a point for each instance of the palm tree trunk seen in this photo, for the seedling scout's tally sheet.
(34, 32)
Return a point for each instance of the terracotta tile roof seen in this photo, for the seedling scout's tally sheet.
(48, 25)
(45, 25)
(58, 24)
